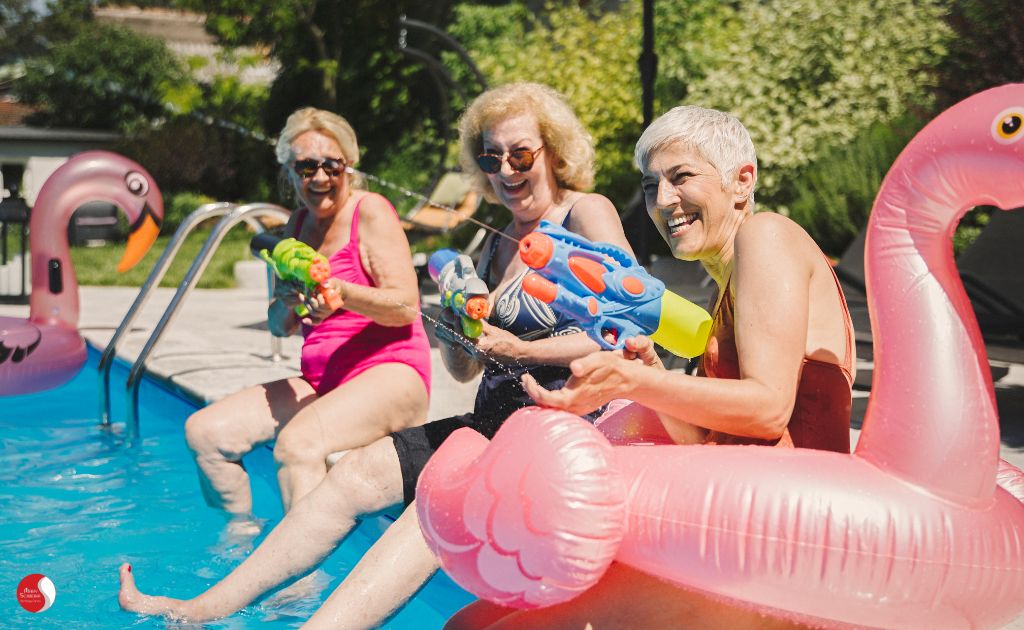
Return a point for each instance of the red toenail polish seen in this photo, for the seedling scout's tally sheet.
(129, 568)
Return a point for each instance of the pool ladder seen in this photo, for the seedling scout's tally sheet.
(232, 214)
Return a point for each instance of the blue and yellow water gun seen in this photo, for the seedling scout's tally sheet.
(609, 292)
(461, 289)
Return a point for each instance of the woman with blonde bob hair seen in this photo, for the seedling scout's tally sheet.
(515, 140)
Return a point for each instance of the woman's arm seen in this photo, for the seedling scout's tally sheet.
(384, 251)
(771, 280)
(560, 350)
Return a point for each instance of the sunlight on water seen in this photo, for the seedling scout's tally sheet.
(75, 504)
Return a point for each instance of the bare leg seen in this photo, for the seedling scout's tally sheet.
(385, 579)
(366, 480)
(383, 399)
(220, 434)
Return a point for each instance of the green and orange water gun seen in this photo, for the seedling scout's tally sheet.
(291, 259)
(462, 291)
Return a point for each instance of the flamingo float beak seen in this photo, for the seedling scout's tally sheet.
(141, 237)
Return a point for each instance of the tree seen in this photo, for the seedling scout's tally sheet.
(19, 23)
(988, 49)
(103, 77)
(591, 58)
(338, 56)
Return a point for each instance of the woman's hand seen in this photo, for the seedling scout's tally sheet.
(319, 310)
(596, 379)
(642, 348)
(449, 331)
(499, 344)
(290, 292)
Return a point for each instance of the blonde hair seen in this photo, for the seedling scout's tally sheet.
(321, 121)
(716, 136)
(566, 143)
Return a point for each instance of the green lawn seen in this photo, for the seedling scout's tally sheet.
(98, 265)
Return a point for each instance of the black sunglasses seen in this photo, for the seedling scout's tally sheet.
(308, 167)
(521, 160)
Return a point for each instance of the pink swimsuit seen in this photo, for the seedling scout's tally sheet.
(346, 344)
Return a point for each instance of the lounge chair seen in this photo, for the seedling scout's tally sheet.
(991, 270)
(993, 275)
(450, 205)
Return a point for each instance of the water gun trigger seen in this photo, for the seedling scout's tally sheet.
(612, 333)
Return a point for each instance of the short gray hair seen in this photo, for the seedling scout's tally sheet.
(718, 137)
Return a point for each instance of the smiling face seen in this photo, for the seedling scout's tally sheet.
(528, 195)
(694, 213)
(322, 193)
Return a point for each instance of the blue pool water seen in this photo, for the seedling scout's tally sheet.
(75, 504)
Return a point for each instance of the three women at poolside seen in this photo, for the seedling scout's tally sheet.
(527, 151)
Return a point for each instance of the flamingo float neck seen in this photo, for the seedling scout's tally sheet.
(931, 418)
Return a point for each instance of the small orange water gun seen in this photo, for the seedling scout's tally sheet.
(461, 289)
(291, 259)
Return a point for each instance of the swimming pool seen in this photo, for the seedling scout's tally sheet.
(74, 505)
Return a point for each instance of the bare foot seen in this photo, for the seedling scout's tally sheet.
(133, 601)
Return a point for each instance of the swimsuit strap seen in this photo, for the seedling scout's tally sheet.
(353, 231)
(847, 360)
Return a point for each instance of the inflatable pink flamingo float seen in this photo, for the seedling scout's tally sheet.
(912, 530)
(46, 350)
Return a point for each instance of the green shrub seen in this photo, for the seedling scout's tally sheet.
(179, 205)
(832, 196)
(814, 74)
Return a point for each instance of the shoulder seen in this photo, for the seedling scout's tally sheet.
(375, 209)
(595, 217)
(371, 203)
(590, 206)
(770, 240)
(770, 229)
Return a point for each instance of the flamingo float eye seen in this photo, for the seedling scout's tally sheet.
(1009, 125)
(137, 183)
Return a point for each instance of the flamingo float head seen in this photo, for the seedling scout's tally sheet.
(86, 177)
(932, 416)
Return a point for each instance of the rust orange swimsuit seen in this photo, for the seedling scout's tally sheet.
(821, 415)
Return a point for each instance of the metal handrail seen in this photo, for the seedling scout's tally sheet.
(241, 213)
(200, 214)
